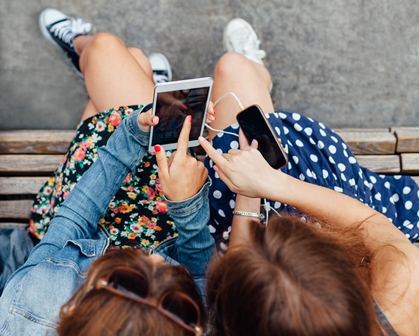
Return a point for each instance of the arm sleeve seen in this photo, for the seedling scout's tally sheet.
(195, 245)
(89, 199)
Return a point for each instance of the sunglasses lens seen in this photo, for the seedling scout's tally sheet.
(181, 308)
(129, 282)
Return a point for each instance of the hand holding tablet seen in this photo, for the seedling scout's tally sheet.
(172, 102)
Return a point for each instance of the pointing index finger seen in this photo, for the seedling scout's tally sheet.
(182, 143)
(218, 159)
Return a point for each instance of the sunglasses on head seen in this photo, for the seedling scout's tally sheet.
(132, 285)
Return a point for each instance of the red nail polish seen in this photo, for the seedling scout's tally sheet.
(157, 148)
(189, 117)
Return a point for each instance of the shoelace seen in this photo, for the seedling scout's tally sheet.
(249, 45)
(67, 29)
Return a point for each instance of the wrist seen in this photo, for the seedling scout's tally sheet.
(255, 215)
(274, 185)
(247, 203)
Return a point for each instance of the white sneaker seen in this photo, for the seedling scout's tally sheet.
(239, 36)
(61, 31)
(162, 72)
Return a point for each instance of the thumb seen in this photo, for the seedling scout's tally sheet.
(243, 141)
(145, 120)
(161, 160)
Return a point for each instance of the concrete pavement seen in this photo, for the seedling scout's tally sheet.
(347, 63)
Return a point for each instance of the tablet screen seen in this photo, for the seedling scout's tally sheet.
(172, 107)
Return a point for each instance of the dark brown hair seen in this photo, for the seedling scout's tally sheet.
(103, 313)
(293, 278)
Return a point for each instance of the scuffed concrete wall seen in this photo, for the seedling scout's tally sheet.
(348, 63)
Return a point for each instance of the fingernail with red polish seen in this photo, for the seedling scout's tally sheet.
(157, 148)
(189, 117)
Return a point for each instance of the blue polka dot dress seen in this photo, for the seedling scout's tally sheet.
(318, 155)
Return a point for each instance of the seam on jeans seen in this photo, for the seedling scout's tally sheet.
(33, 318)
(68, 263)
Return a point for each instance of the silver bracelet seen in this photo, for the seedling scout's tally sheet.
(250, 214)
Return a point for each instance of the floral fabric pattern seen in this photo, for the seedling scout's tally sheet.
(137, 215)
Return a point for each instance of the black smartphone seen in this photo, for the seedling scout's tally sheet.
(255, 126)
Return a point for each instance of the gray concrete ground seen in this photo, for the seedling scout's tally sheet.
(348, 63)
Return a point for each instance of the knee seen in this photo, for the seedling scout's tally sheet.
(103, 41)
(99, 46)
(230, 63)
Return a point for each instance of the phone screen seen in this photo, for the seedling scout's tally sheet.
(255, 126)
(172, 107)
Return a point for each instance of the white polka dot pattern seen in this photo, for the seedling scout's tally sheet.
(318, 155)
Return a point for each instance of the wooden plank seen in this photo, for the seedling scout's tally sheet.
(29, 163)
(416, 178)
(407, 140)
(410, 163)
(15, 209)
(35, 141)
(21, 185)
(369, 142)
(404, 128)
(373, 130)
(380, 163)
(11, 225)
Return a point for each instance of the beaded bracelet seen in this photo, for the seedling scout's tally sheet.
(250, 214)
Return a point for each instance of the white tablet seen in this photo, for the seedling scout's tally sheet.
(172, 102)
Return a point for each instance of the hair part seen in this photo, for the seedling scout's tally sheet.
(293, 278)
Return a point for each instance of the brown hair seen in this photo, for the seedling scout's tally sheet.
(293, 278)
(103, 313)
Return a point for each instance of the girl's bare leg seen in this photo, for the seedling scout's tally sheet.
(114, 74)
(250, 81)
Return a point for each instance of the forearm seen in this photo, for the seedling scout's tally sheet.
(318, 202)
(90, 197)
(195, 245)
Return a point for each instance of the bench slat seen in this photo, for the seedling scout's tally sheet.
(369, 142)
(389, 164)
(29, 163)
(350, 129)
(21, 185)
(9, 224)
(407, 139)
(35, 141)
(410, 163)
(15, 209)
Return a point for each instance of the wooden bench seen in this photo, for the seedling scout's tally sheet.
(28, 157)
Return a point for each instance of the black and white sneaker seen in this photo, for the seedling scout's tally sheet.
(162, 72)
(61, 30)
